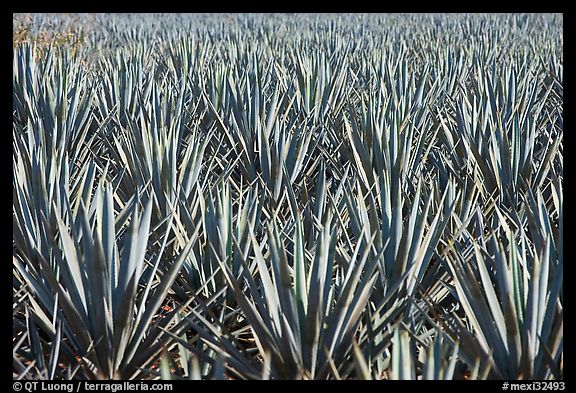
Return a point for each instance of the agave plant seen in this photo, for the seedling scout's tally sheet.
(247, 196)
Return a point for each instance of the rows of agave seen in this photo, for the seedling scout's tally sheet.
(289, 197)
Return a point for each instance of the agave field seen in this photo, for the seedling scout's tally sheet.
(287, 196)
